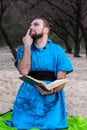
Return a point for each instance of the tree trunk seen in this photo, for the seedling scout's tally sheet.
(77, 49)
(68, 48)
(84, 31)
(85, 38)
(13, 50)
(77, 42)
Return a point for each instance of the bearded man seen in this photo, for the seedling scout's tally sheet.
(46, 61)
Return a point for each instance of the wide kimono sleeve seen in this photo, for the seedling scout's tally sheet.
(19, 55)
(63, 62)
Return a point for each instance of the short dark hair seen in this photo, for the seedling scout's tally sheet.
(46, 23)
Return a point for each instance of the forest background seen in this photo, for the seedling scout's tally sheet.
(68, 19)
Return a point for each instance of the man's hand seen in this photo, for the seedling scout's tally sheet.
(43, 92)
(25, 63)
(27, 40)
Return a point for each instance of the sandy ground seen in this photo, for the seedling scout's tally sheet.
(75, 90)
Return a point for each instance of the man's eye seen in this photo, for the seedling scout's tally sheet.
(36, 24)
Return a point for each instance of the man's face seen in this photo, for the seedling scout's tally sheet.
(36, 29)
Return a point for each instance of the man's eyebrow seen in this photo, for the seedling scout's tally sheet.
(34, 23)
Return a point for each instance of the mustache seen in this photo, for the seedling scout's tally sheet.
(31, 30)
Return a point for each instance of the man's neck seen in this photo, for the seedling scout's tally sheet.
(40, 43)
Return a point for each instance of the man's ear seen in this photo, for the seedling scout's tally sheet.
(46, 30)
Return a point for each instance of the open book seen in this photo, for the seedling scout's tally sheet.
(42, 84)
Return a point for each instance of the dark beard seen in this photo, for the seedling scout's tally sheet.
(36, 36)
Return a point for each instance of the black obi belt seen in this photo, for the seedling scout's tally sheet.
(42, 75)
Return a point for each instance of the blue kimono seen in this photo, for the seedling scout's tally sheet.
(33, 110)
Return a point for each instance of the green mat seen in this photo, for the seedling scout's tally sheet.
(7, 116)
(75, 122)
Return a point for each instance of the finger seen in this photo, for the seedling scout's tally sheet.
(40, 89)
(23, 39)
(28, 31)
(52, 90)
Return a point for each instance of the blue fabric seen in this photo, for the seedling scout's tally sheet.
(31, 109)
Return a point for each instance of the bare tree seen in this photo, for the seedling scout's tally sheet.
(66, 16)
(70, 13)
(3, 6)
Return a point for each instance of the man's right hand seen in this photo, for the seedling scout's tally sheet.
(27, 40)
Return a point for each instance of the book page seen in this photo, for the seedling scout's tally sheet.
(56, 83)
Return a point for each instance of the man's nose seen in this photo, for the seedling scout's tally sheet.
(32, 26)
